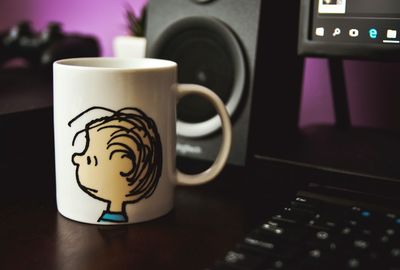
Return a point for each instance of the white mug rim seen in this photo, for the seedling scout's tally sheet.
(116, 64)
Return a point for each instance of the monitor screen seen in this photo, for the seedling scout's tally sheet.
(350, 28)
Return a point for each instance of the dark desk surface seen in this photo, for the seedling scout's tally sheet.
(203, 226)
(206, 222)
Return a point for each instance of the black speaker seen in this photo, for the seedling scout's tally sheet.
(245, 51)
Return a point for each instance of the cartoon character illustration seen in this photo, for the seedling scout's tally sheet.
(121, 162)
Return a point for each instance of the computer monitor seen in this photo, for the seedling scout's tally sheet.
(368, 29)
(348, 29)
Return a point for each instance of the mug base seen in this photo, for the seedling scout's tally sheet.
(108, 223)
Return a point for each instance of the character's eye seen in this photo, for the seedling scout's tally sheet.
(88, 160)
(95, 161)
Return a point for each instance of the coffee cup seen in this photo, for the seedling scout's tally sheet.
(115, 138)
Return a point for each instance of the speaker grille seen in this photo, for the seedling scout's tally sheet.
(209, 54)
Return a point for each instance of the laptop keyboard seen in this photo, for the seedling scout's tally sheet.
(318, 234)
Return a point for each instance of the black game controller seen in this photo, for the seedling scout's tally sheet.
(43, 48)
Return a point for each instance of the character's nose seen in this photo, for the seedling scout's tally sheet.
(77, 159)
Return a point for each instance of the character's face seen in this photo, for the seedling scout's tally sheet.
(100, 165)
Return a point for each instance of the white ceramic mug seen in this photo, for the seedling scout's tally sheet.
(115, 138)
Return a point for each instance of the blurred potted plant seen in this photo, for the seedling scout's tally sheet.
(134, 44)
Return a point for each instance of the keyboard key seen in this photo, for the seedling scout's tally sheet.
(361, 244)
(283, 230)
(394, 257)
(240, 260)
(322, 235)
(304, 203)
(353, 263)
(317, 259)
(356, 261)
(273, 229)
(258, 243)
(295, 215)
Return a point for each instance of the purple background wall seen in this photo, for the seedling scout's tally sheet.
(374, 92)
(103, 18)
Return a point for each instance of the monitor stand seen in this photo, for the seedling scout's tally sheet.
(339, 94)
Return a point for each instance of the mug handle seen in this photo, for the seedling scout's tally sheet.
(222, 157)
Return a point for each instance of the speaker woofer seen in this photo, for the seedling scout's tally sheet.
(209, 54)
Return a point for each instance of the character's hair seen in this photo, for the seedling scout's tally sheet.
(133, 128)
